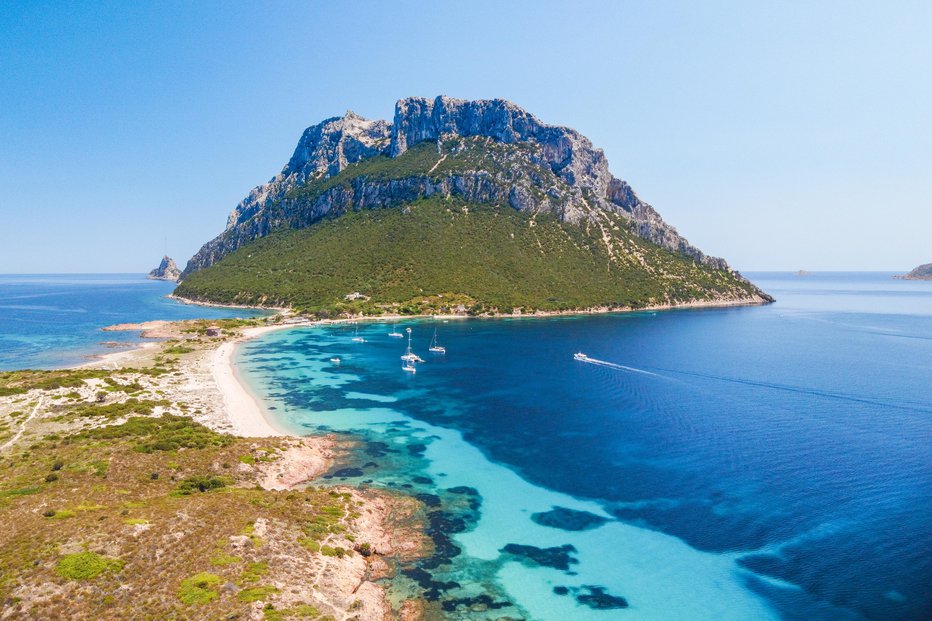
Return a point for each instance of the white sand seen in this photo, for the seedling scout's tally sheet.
(245, 413)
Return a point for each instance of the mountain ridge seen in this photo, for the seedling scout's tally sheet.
(474, 201)
(582, 186)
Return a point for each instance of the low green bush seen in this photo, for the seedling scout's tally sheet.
(86, 566)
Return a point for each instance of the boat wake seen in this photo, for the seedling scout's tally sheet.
(611, 365)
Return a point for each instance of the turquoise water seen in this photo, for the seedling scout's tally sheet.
(750, 463)
(54, 320)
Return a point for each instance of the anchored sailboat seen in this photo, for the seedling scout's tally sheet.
(436, 347)
(409, 357)
(395, 334)
(357, 338)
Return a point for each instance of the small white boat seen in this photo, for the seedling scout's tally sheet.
(409, 366)
(335, 360)
(395, 334)
(357, 338)
(581, 356)
(435, 347)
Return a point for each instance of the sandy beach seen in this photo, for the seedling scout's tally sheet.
(246, 415)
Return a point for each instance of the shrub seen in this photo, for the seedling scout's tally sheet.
(61, 514)
(166, 433)
(199, 589)
(86, 566)
(332, 551)
(254, 594)
(23, 491)
(195, 484)
(222, 560)
(254, 571)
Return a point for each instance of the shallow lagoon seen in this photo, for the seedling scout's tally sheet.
(772, 463)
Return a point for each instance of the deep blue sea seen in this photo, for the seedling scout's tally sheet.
(766, 462)
(54, 320)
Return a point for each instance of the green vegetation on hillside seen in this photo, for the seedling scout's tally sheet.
(456, 155)
(439, 254)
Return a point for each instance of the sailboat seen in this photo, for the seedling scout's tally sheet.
(395, 334)
(357, 338)
(434, 347)
(410, 356)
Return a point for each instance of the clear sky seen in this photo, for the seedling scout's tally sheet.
(779, 135)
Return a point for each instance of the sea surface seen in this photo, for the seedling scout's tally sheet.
(768, 462)
(54, 320)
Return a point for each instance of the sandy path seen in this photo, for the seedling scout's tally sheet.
(22, 426)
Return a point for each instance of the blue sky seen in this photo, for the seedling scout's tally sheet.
(779, 135)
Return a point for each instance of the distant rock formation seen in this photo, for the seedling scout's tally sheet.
(167, 270)
(923, 272)
(803, 273)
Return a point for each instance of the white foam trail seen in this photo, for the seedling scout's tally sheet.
(620, 367)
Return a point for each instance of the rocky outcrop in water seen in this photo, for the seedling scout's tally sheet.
(923, 272)
(167, 270)
(487, 151)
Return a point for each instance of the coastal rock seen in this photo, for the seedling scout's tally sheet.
(167, 270)
(487, 151)
(923, 272)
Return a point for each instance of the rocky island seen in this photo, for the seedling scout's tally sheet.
(464, 207)
(167, 270)
(923, 272)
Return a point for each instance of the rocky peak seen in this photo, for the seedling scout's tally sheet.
(418, 119)
(167, 270)
(323, 151)
(569, 177)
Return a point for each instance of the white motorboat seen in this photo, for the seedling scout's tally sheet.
(581, 357)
